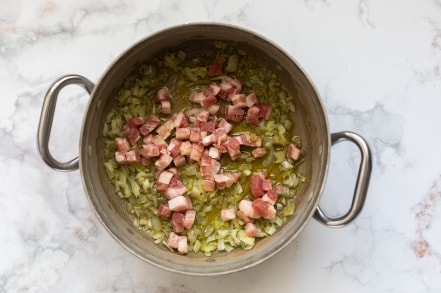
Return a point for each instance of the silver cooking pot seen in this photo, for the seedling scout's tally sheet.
(310, 122)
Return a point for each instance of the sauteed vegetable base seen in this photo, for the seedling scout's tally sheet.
(201, 148)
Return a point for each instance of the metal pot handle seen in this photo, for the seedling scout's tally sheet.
(361, 185)
(47, 117)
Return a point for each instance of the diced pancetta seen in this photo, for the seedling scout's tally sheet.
(293, 152)
(208, 101)
(149, 151)
(180, 120)
(212, 90)
(208, 126)
(195, 134)
(183, 133)
(174, 147)
(256, 181)
(165, 129)
(251, 139)
(173, 240)
(149, 125)
(263, 208)
(265, 111)
(159, 141)
(164, 211)
(246, 206)
(225, 180)
(120, 157)
(233, 147)
(179, 161)
(225, 125)
(241, 215)
(214, 153)
(234, 113)
(185, 148)
(267, 184)
(190, 216)
(196, 97)
(133, 135)
(165, 177)
(163, 94)
(213, 109)
(250, 229)
(179, 203)
(270, 197)
(251, 100)
(122, 144)
(239, 100)
(196, 151)
(253, 115)
(163, 162)
(166, 107)
(177, 221)
(258, 152)
(135, 121)
(203, 116)
(208, 185)
(182, 244)
(228, 214)
(133, 156)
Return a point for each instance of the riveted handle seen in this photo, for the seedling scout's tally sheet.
(47, 117)
(361, 185)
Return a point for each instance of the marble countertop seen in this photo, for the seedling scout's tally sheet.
(377, 66)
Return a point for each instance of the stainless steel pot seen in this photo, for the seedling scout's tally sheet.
(311, 124)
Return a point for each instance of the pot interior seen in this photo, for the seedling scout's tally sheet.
(310, 124)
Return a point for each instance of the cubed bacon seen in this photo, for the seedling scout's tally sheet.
(214, 153)
(263, 208)
(225, 179)
(196, 97)
(215, 68)
(208, 101)
(146, 161)
(250, 229)
(234, 113)
(251, 100)
(122, 144)
(173, 192)
(208, 126)
(233, 147)
(203, 116)
(164, 211)
(120, 157)
(270, 197)
(212, 90)
(228, 214)
(159, 141)
(253, 115)
(177, 221)
(237, 84)
(213, 109)
(241, 215)
(185, 148)
(135, 121)
(293, 152)
(225, 125)
(149, 151)
(133, 156)
(147, 139)
(251, 139)
(165, 129)
(267, 184)
(173, 240)
(239, 100)
(163, 94)
(166, 107)
(183, 133)
(133, 135)
(163, 162)
(258, 152)
(174, 147)
(195, 134)
(208, 185)
(196, 151)
(149, 125)
(165, 177)
(265, 111)
(246, 207)
(182, 244)
(190, 217)
(278, 188)
(179, 203)
(208, 171)
(180, 120)
(256, 184)
(209, 139)
(179, 161)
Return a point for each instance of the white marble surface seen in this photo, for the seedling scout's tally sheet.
(377, 65)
